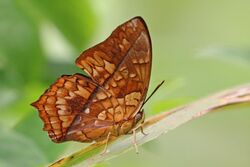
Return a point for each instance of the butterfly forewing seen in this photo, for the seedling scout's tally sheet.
(130, 81)
(102, 60)
(121, 64)
(120, 71)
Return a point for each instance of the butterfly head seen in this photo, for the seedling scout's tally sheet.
(139, 118)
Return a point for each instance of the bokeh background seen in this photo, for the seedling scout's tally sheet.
(199, 47)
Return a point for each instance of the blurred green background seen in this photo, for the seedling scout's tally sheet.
(199, 47)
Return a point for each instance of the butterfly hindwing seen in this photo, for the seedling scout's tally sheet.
(60, 104)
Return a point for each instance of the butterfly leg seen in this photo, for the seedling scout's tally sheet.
(142, 131)
(134, 141)
(106, 144)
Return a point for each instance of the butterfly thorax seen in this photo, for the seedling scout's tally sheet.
(127, 126)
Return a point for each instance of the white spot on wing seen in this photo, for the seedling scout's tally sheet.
(87, 111)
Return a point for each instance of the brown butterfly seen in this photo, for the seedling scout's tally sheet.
(109, 101)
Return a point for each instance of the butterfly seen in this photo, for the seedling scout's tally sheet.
(107, 102)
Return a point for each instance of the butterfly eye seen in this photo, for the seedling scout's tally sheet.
(139, 117)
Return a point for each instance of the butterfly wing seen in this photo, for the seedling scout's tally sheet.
(80, 109)
(60, 104)
(121, 65)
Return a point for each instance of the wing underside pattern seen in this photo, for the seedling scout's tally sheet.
(85, 109)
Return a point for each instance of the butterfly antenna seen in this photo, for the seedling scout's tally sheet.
(157, 87)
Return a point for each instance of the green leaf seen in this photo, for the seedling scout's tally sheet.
(230, 54)
(18, 103)
(164, 105)
(7, 96)
(19, 47)
(50, 149)
(17, 150)
(75, 19)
